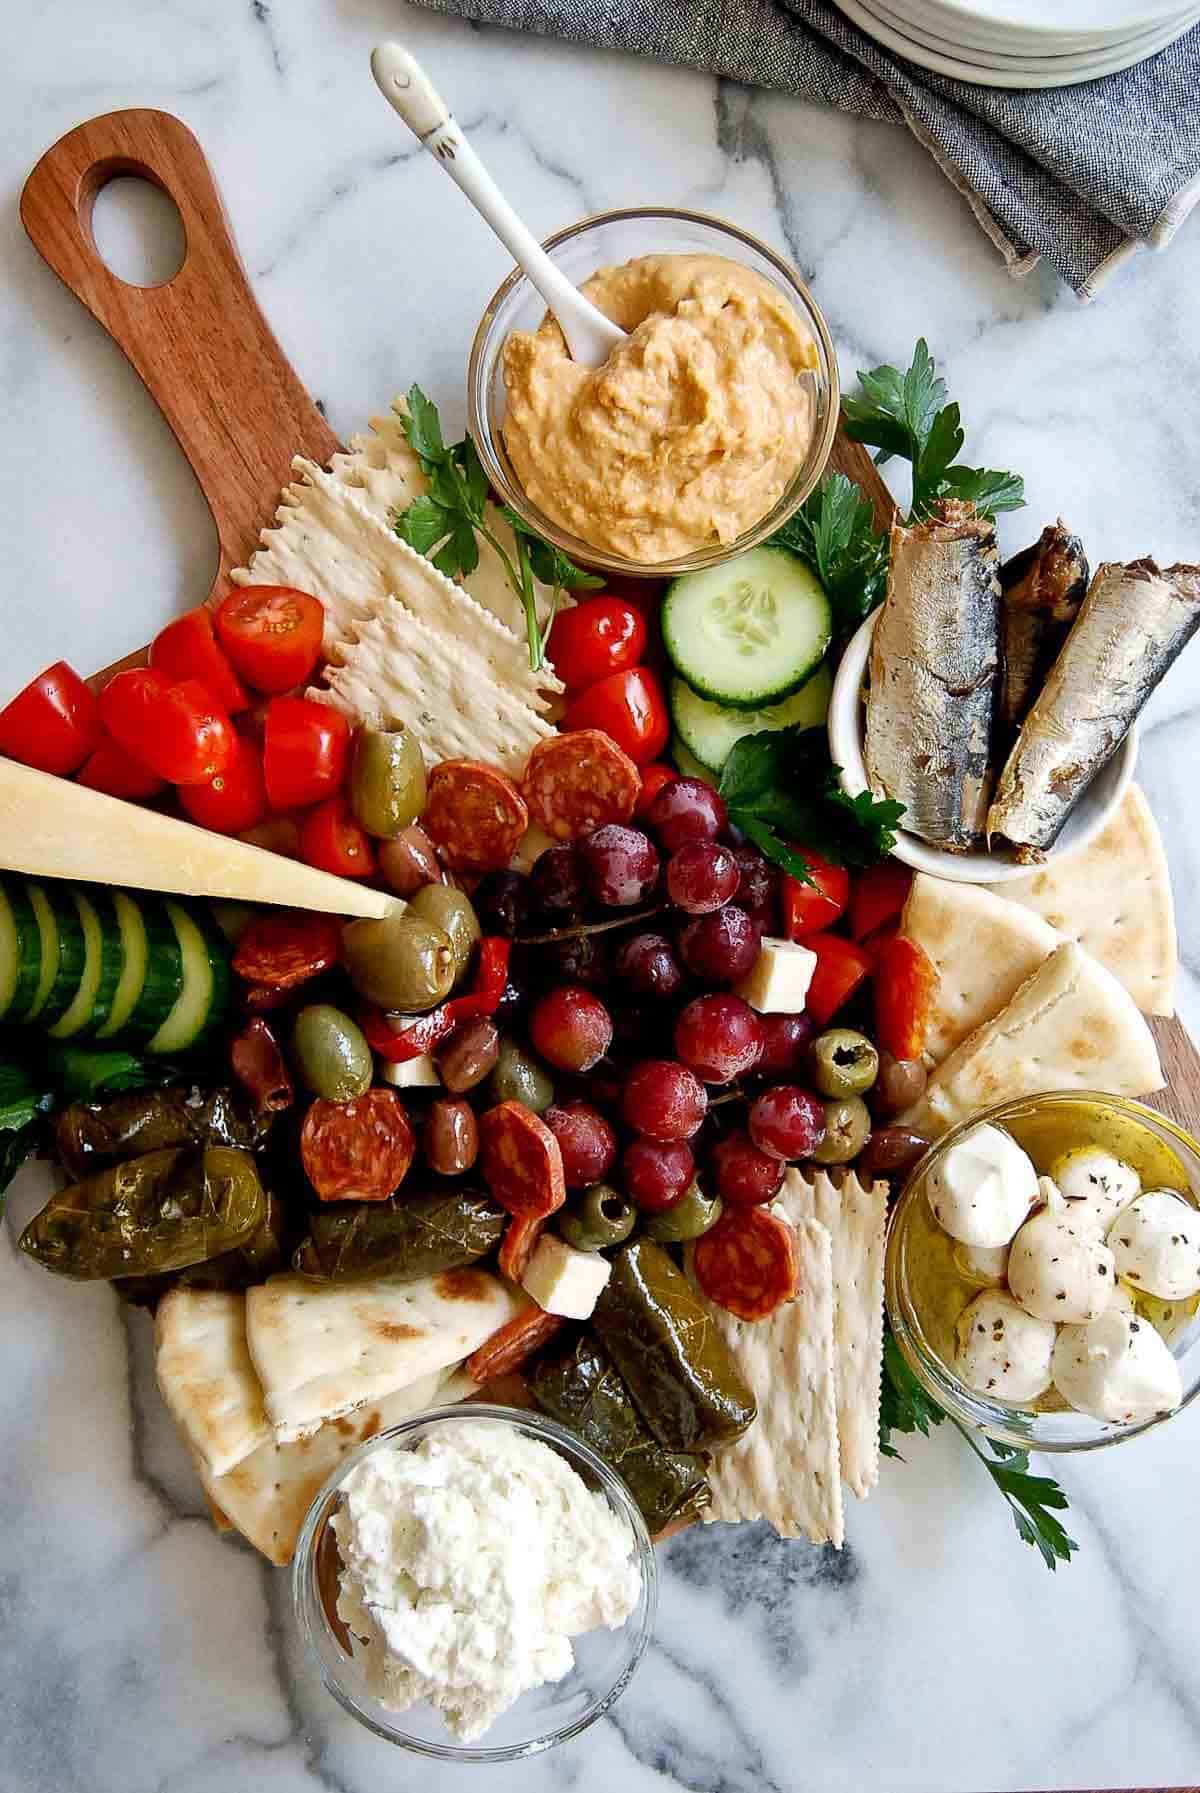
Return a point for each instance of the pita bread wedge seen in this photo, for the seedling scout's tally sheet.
(267, 1494)
(983, 948)
(1114, 899)
(206, 1377)
(322, 1350)
(1070, 1026)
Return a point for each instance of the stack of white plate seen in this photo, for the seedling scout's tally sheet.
(1024, 43)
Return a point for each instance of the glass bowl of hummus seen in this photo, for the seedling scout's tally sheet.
(475, 1584)
(698, 437)
(1042, 1277)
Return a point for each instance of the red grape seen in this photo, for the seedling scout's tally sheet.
(655, 1174)
(718, 1037)
(701, 876)
(758, 886)
(686, 809)
(648, 965)
(745, 1175)
(721, 947)
(785, 1043)
(620, 864)
(585, 1139)
(571, 1029)
(557, 881)
(787, 1122)
(663, 1100)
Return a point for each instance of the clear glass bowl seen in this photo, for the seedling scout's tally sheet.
(605, 1660)
(1104, 1120)
(607, 240)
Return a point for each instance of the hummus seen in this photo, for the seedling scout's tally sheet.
(690, 431)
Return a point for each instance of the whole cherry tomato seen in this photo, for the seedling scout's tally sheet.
(53, 723)
(841, 967)
(111, 769)
(808, 908)
(654, 777)
(272, 634)
(177, 730)
(305, 744)
(235, 799)
(332, 840)
(630, 708)
(904, 985)
(188, 649)
(601, 635)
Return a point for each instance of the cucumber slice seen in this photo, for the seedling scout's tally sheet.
(162, 974)
(103, 960)
(20, 951)
(66, 951)
(689, 766)
(133, 964)
(205, 994)
(749, 631)
(709, 730)
(47, 926)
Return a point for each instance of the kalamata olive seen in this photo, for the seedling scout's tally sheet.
(847, 1129)
(596, 1218)
(900, 1083)
(844, 1062)
(450, 910)
(399, 961)
(891, 1152)
(451, 1137)
(557, 883)
(386, 784)
(330, 1053)
(469, 1055)
(519, 1078)
(575, 959)
(408, 862)
(688, 1219)
(502, 903)
(514, 1000)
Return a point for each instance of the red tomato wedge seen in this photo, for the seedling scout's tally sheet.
(810, 908)
(877, 896)
(333, 841)
(53, 724)
(177, 730)
(272, 634)
(629, 707)
(841, 967)
(110, 769)
(654, 777)
(188, 649)
(305, 745)
(905, 983)
(235, 799)
(599, 636)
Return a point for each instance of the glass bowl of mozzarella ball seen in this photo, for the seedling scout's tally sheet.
(1043, 1271)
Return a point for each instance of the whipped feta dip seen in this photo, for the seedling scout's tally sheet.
(469, 1562)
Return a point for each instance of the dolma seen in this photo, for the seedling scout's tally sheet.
(233, 1271)
(157, 1213)
(406, 1237)
(92, 1135)
(657, 1332)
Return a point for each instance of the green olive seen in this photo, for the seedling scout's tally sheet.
(400, 962)
(845, 1063)
(847, 1129)
(449, 909)
(387, 780)
(330, 1053)
(599, 1217)
(692, 1215)
(519, 1078)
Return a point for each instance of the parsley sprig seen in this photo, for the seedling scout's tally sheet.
(444, 524)
(834, 533)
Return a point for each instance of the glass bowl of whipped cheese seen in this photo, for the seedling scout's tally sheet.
(475, 1584)
(1043, 1271)
(697, 439)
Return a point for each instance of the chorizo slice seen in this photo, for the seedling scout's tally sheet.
(576, 783)
(747, 1263)
(286, 948)
(521, 1161)
(357, 1151)
(474, 815)
(512, 1345)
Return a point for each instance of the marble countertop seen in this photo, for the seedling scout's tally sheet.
(137, 1650)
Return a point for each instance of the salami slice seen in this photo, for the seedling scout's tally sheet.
(286, 948)
(519, 1243)
(576, 783)
(510, 1346)
(521, 1161)
(747, 1263)
(357, 1151)
(474, 815)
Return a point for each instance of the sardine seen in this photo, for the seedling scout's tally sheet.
(1043, 587)
(1134, 623)
(935, 665)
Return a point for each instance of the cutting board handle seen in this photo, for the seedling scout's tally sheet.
(198, 341)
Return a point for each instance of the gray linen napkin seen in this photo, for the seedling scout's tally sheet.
(1083, 176)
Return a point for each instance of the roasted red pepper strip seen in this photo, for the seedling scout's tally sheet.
(510, 1346)
(877, 896)
(259, 1065)
(424, 1032)
(905, 980)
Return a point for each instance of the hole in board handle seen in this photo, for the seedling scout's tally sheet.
(139, 234)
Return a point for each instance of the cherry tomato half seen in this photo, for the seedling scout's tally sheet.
(808, 908)
(305, 744)
(601, 635)
(332, 840)
(630, 708)
(188, 649)
(235, 799)
(841, 967)
(904, 987)
(110, 769)
(53, 723)
(654, 777)
(177, 730)
(272, 634)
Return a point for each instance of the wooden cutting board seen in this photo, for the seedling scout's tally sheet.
(207, 357)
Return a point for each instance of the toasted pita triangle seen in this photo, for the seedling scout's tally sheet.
(206, 1376)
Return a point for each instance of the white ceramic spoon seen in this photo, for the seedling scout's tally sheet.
(408, 89)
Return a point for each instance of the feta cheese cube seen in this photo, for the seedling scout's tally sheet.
(777, 983)
(563, 1280)
(413, 1073)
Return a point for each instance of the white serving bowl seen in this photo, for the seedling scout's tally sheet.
(846, 744)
